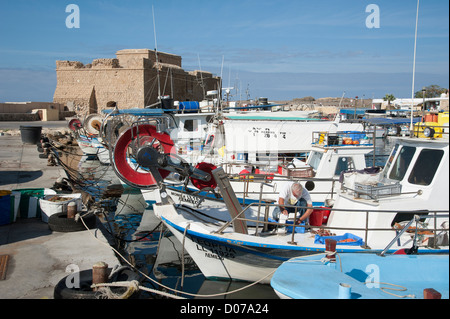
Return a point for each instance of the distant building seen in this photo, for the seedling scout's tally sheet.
(131, 80)
(434, 103)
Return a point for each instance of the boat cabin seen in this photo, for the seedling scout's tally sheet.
(413, 181)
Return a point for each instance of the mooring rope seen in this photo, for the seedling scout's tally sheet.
(172, 289)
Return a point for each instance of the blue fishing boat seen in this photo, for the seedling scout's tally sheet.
(362, 276)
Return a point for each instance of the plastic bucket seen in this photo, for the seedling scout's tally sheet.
(15, 202)
(30, 134)
(49, 207)
(5, 207)
(316, 218)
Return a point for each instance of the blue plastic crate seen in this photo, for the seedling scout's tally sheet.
(354, 135)
(300, 230)
(358, 240)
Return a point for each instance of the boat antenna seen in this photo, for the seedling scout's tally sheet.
(411, 127)
(220, 84)
(202, 85)
(340, 102)
(156, 56)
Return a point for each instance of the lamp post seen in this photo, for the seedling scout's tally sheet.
(411, 128)
(356, 103)
(423, 103)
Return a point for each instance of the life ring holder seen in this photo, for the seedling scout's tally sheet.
(130, 173)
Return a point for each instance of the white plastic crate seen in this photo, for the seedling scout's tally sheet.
(377, 191)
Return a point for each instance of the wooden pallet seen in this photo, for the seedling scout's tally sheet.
(3, 266)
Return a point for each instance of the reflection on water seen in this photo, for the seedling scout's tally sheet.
(156, 252)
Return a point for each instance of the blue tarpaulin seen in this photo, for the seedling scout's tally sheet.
(137, 112)
(391, 121)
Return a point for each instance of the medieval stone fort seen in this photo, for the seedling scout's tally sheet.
(131, 80)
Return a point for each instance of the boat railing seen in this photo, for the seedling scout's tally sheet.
(376, 192)
(263, 221)
(415, 219)
(271, 182)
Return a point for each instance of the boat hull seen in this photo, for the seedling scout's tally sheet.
(231, 260)
(366, 276)
(228, 255)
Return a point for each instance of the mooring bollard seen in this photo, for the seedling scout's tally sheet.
(330, 248)
(99, 273)
(431, 293)
(71, 210)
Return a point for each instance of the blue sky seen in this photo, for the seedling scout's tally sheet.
(279, 49)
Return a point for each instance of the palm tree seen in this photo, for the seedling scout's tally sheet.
(389, 98)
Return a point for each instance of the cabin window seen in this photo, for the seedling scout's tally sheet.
(191, 125)
(344, 164)
(402, 162)
(425, 167)
(314, 160)
(389, 161)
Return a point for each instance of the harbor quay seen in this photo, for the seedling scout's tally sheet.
(33, 258)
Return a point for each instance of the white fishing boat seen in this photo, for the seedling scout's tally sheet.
(199, 137)
(87, 136)
(363, 219)
(263, 139)
(320, 173)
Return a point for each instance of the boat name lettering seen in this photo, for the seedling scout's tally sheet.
(187, 198)
(266, 132)
(213, 250)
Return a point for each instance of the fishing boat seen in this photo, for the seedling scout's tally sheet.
(204, 136)
(330, 155)
(224, 245)
(363, 219)
(403, 274)
(271, 145)
(364, 276)
(87, 135)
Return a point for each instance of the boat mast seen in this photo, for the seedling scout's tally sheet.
(411, 127)
(156, 56)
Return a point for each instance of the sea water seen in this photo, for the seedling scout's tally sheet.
(156, 253)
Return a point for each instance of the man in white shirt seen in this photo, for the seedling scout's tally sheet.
(293, 194)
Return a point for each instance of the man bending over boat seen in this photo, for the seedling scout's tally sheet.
(293, 194)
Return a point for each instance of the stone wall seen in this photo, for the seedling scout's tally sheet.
(28, 107)
(19, 117)
(131, 80)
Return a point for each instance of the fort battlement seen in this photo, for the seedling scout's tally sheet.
(96, 64)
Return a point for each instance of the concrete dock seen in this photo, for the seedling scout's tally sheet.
(37, 258)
